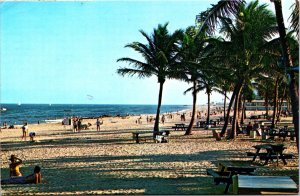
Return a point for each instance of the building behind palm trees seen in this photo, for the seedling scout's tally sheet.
(260, 105)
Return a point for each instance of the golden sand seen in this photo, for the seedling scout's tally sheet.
(109, 161)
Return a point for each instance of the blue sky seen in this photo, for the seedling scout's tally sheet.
(66, 52)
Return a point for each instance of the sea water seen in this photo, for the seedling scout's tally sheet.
(34, 113)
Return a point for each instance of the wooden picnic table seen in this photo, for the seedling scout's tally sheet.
(227, 171)
(179, 126)
(235, 170)
(253, 185)
(273, 151)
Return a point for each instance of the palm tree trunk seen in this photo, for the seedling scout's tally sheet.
(156, 124)
(224, 110)
(267, 104)
(243, 112)
(288, 63)
(275, 102)
(228, 110)
(280, 105)
(208, 107)
(235, 113)
(190, 127)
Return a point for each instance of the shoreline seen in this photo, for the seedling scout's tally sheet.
(34, 113)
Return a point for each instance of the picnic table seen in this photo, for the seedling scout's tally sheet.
(253, 185)
(227, 171)
(180, 126)
(286, 132)
(201, 124)
(273, 151)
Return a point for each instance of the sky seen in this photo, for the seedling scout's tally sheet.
(66, 52)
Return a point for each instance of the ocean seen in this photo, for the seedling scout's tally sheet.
(32, 113)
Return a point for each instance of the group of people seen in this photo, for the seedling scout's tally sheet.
(255, 127)
(25, 132)
(16, 176)
(76, 124)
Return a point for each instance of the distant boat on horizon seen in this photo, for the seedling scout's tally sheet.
(19, 103)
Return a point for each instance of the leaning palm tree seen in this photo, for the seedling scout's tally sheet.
(160, 55)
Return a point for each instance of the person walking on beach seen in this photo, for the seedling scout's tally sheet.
(14, 169)
(24, 130)
(163, 119)
(98, 124)
(74, 124)
(79, 124)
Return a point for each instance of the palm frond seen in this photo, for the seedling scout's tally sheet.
(294, 17)
(222, 8)
(132, 72)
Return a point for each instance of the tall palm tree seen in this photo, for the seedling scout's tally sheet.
(246, 34)
(288, 62)
(191, 47)
(160, 55)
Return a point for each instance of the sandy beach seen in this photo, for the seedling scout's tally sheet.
(110, 162)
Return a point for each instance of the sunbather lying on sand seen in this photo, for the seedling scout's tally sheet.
(36, 178)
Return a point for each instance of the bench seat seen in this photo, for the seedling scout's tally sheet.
(273, 156)
(224, 177)
(252, 154)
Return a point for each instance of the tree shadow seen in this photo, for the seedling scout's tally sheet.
(150, 174)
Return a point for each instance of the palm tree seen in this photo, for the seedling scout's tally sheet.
(211, 16)
(191, 47)
(295, 18)
(226, 8)
(160, 55)
(288, 62)
(246, 35)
